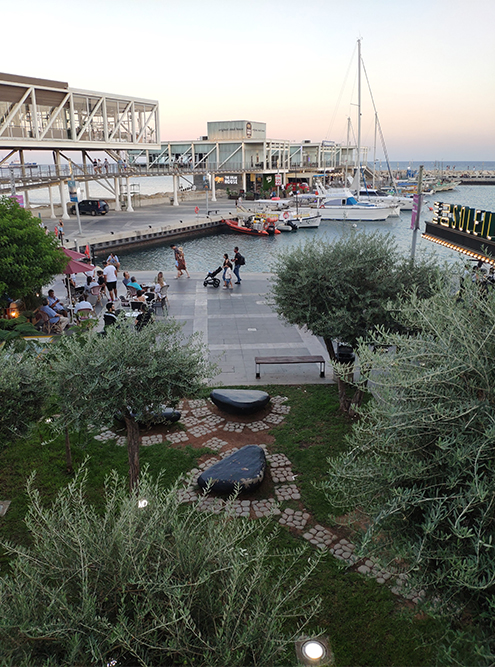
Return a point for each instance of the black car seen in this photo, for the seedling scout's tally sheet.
(91, 207)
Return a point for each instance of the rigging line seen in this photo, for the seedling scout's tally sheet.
(382, 138)
(332, 121)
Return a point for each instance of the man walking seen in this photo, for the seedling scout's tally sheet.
(239, 261)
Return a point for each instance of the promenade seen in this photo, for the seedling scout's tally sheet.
(237, 325)
(115, 226)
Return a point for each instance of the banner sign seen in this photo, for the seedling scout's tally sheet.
(416, 211)
(278, 179)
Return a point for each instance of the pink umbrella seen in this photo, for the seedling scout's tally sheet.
(73, 266)
(72, 254)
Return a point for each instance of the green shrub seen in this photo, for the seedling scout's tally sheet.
(158, 585)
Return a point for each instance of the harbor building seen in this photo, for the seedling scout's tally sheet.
(237, 155)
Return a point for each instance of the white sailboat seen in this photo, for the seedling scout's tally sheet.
(342, 203)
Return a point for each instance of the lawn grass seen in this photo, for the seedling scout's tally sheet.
(365, 622)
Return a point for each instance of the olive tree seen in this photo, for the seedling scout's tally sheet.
(23, 391)
(421, 460)
(127, 373)
(29, 258)
(341, 290)
(146, 581)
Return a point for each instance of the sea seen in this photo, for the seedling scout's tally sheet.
(205, 253)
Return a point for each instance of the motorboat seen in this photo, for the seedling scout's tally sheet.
(254, 225)
(340, 204)
(287, 214)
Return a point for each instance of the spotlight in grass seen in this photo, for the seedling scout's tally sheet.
(142, 503)
(314, 651)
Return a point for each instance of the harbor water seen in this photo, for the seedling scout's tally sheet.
(205, 253)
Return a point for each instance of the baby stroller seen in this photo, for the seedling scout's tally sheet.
(211, 280)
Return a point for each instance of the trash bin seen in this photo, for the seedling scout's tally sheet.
(345, 355)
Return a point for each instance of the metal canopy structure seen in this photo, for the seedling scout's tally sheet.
(244, 155)
(37, 114)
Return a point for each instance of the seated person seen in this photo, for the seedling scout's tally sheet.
(134, 283)
(91, 282)
(113, 259)
(145, 317)
(159, 283)
(54, 318)
(126, 279)
(82, 304)
(55, 303)
(110, 317)
(140, 296)
(78, 289)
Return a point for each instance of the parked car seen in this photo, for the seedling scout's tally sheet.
(90, 207)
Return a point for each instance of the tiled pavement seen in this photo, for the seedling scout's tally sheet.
(237, 325)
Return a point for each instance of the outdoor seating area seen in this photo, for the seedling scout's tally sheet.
(88, 304)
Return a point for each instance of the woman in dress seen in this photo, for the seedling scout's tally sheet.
(181, 262)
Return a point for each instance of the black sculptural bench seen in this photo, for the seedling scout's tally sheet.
(243, 470)
(240, 401)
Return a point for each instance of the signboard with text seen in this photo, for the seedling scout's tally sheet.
(467, 230)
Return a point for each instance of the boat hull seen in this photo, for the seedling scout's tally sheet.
(355, 213)
(250, 231)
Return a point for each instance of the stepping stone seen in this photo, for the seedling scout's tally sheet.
(244, 468)
(239, 401)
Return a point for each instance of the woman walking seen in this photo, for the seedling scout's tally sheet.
(181, 266)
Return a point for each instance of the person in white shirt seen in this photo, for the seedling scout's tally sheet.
(110, 275)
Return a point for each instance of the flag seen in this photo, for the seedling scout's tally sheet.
(87, 252)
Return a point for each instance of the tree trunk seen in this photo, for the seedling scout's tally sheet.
(68, 453)
(132, 451)
(346, 404)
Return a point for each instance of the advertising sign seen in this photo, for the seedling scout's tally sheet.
(19, 199)
(74, 191)
(416, 210)
(278, 179)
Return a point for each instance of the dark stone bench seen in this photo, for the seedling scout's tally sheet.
(313, 359)
(239, 401)
(243, 469)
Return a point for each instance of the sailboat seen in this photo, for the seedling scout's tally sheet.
(342, 203)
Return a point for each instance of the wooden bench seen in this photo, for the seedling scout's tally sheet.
(314, 359)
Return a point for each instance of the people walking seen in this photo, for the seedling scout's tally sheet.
(180, 260)
(239, 261)
(61, 232)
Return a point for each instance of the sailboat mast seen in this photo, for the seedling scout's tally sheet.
(359, 121)
(374, 151)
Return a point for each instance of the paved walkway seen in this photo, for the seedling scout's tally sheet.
(238, 325)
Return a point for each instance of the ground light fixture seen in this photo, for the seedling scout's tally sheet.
(314, 651)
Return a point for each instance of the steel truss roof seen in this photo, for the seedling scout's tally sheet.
(37, 114)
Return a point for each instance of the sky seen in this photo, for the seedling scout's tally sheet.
(290, 64)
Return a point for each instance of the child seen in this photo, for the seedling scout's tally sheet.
(228, 276)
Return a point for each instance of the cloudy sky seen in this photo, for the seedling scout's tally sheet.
(291, 64)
